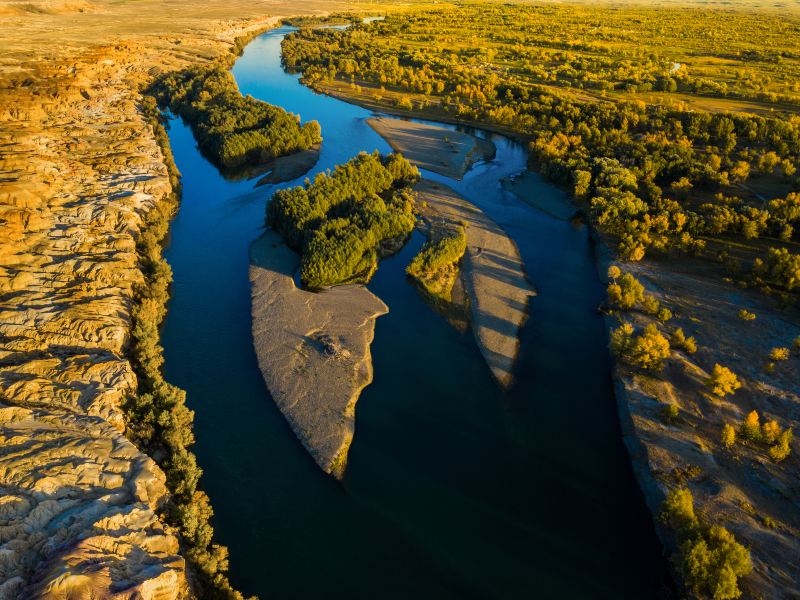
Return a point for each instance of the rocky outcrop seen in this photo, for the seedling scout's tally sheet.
(312, 348)
(79, 171)
(493, 274)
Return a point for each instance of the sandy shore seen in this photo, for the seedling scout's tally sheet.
(312, 349)
(493, 274)
(287, 168)
(438, 149)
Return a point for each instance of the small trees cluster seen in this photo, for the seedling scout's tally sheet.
(710, 559)
(231, 129)
(626, 293)
(768, 434)
(338, 221)
(646, 351)
(434, 267)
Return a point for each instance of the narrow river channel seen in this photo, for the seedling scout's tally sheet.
(454, 489)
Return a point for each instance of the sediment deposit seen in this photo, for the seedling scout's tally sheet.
(493, 274)
(438, 149)
(312, 349)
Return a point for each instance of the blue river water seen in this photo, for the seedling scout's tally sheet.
(454, 489)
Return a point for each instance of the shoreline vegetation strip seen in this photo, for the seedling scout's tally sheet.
(157, 417)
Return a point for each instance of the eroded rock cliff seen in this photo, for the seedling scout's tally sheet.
(80, 169)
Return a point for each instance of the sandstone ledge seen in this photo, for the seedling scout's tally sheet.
(493, 274)
(312, 349)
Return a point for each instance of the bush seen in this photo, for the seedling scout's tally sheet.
(779, 354)
(434, 267)
(627, 293)
(781, 450)
(723, 381)
(728, 436)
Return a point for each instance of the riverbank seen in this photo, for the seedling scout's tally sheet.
(739, 487)
(83, 173)
(312, 349)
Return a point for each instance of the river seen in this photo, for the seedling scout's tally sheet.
(454, 489)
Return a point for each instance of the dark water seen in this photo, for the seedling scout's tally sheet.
(453, 489)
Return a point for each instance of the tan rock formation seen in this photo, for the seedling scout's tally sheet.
(312, 348)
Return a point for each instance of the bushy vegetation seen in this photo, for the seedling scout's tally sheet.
(231, 129)
(722, 381)
(157, 418)
(654, 175)
(710, 560)
(768, 435)
(435, 265)
(339, 221)
(647, 351)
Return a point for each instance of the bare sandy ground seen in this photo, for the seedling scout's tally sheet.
(312, 348)
(437, 149)
(493, 274)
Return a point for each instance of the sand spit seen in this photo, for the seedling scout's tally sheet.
(493, 275)
(287, 168)
(312, 348)
(438, 149)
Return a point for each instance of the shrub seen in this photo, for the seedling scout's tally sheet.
(679, 340)
(670, 413)
(650, 304)
(712, 563)
(723, 381)
(621, 340)
(750, 428)
(728, 436)
(746, 315)
(649, 350)
(779, 354)
(434, 267)
(627, 293)
(781, 450)
(664, 315)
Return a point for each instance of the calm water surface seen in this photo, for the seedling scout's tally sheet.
(454, 489)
